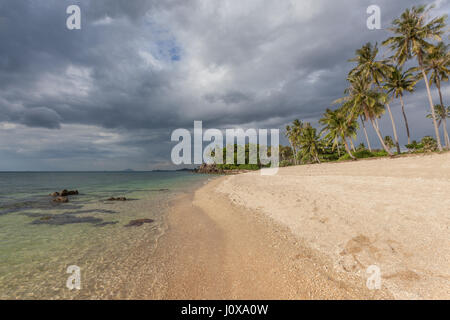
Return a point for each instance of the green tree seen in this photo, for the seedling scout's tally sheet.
(437, 62)
(442, 113)
(374, 71)
(362, 99)
(397, 82)
(389, 142)
(337, 126)
(309, 144)
(412, 33)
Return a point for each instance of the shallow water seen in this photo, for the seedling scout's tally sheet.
(40, 239)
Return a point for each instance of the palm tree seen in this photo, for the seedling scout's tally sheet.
(293, 133)
(289, 134)
(388, 141)
(310, 144)
(442, 113)
(365, 100)
(337, 126)
(412, 30)
(369, 68)
(438, 61)
(397, 82)
(346, 107)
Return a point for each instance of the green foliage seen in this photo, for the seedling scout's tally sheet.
(362, 154)
(389, 142)
(244, 166)
(427, 144)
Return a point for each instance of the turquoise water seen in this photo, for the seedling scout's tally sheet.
(40, 239)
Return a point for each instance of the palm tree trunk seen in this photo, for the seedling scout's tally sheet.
(430, 100)
(347, 148)
(351, 143)
(338, 148)
(394, 129)
(377, 130)
(447, 140)
(406, 119)
(365, 133)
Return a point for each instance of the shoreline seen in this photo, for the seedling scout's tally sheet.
(214, 249)
(310, 232)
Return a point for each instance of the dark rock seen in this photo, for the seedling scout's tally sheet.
(64, 193)
(61, 200)
(138, 222)
(209, 169)
(117, 199)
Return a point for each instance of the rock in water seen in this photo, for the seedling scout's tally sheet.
(61, 199)
(64, 193)
(117, 199)
(138, 222)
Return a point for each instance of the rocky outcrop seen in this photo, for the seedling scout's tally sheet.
(117, 199)
(138, 222)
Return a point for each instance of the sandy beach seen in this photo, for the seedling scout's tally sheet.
(310, 232)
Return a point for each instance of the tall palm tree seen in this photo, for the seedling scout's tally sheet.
(374, 70)
(310, 144)
(437, 62)
(397, 82)
(365, 100)
(337, 126)
(442, 113)
(289, 134)
(346, 107)
(412, 33)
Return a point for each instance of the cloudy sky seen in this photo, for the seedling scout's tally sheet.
(108, 96)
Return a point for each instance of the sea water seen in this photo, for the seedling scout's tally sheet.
(40, 239)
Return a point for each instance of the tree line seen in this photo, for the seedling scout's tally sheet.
(372, 85)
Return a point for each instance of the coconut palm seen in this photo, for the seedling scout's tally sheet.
(346, 107)
(376, 71)
(389, 142)
(363, 99)
(442, 113)
(338, 127)
(412, 33)
(290, 135)
(437, 62)
(397, 82)
(310, 144)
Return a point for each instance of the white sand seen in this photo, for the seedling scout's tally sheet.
(393, 213)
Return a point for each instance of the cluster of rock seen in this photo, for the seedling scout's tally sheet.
(64, 193)
(62, 196)
(209, 169)
(117, 199)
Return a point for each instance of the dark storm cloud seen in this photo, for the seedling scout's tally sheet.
(138, 69)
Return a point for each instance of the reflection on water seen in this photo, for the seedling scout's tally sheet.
(40, 239)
